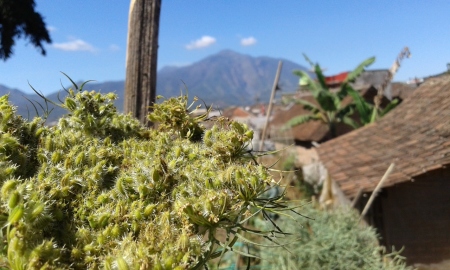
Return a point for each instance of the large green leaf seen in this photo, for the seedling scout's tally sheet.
(318, 72)
(345, 111)
(328, 101)
(308, 105)
(343, 91)
(320, 77)
(311, 85)
(364, 108)
(359, 69)
(301, 119)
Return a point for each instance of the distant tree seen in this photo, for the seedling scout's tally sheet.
(330, 108)
(18, 18)
(142, 53)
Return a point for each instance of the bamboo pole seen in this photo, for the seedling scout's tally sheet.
(377, 189)
(269, 110)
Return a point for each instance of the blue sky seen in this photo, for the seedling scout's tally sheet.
(89, 37)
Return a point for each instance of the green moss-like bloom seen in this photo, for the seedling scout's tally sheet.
(100, 191)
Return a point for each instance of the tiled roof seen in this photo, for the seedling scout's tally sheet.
(311, 131)
(336, 79)
(415, 136)
(402, 90)
(236, 112)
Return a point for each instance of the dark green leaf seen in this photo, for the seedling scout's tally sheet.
(364, 108)
(82, 85)
(73, 83)
(320, 77)
(328, 101)
(301, 119)
(308, 105)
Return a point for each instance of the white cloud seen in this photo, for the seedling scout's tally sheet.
(177, 64)
(114, 48)
(51, 28)
(248, 41)
(74, 45)
(203, 42)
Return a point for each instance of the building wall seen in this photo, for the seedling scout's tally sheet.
(416, 215)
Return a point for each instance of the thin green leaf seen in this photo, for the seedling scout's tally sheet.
(59, 99)
(82, 85)
(73, 83)
(321, 77)
(268, 238)
(228, 244)
(34, 106)
(40, 105)
(42, 96)
(262, 233)
(308, 60)
(359, 69)
(237, 251)
(267, 217)
(67, 91)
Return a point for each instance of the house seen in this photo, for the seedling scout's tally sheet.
(238, 114)
(413, 208)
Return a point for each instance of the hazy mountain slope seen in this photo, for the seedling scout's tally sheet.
(228, 78)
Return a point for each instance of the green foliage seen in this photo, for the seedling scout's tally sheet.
(367, 112)
(18, 18)
(172, 115)
(100, 191)
(18, 142)
(330, 108)
(333, 240)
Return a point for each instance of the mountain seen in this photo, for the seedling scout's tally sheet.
(223, 79)
(19, 99)
(228, 78)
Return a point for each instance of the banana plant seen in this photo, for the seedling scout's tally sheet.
(368, 113)
(330, 108)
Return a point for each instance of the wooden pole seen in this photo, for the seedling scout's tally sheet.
(269, 110)
(377, 189)
(141, 62)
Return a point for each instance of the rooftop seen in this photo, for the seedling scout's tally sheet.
(415, 136)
